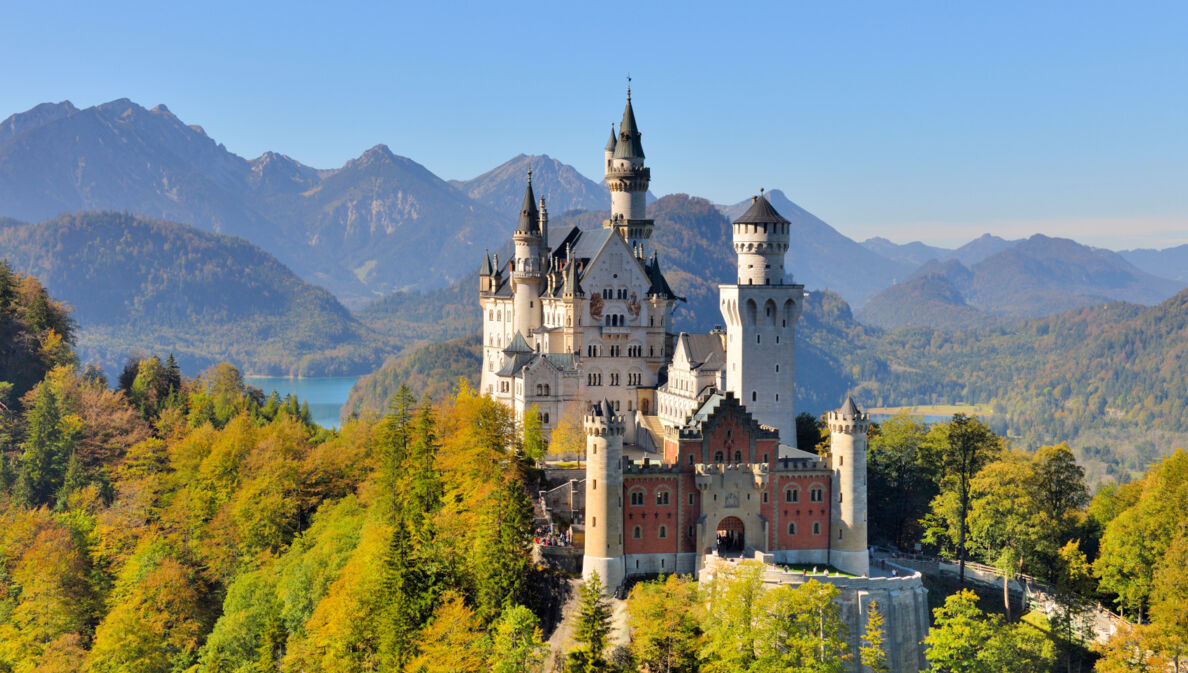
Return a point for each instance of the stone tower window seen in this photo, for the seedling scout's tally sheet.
(636, 533)
(663, 532)
(792, 528)
(816, 528)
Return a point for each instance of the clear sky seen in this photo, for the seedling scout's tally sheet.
(936, 121)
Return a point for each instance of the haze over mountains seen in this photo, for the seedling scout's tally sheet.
(385, 233)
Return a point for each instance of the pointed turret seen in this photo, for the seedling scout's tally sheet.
(528, 266)
(628, 179)
(610, 144)
(629, 145)
(528, 213)
(850, 410)
(486, 274)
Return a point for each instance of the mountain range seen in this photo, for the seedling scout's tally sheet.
(400, 245)
(1031, 278)
(140, 285)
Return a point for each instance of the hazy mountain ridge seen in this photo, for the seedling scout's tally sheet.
(502, 188)
(1035, 277)
(143, 285)
(347, 229)
(1169, 263)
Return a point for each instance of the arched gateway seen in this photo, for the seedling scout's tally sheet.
(731, 535)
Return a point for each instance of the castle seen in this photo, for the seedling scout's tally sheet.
(691, 438)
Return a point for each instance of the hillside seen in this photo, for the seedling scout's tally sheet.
(154, 286)
(1170, 263)
(1034, 277)
(501, 189)
(1042, 275)
(914, 253)
(925, 299)
(822, 258)
(433, 370)
(363, 230)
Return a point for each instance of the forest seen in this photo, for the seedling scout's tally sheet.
(161, 523)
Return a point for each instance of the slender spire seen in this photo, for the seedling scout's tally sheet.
(486, 269)
(528, 212)
(610, 144)
(629, 145)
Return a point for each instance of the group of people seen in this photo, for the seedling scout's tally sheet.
(547, 537)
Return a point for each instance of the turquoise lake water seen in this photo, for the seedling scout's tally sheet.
(325, 395)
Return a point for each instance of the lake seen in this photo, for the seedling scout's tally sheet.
(325, 394)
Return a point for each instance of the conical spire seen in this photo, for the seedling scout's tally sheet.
(849, 409)
(528, 214)
(628, 145)
(610, 144)
(486, 269)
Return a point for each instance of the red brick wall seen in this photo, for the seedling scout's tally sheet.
(650, 516)
(803, 513)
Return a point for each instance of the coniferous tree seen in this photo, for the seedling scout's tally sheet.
(591, 630)
(516, 646)
(46, 451)
(872, 651)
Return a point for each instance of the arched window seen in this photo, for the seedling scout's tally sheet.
(816, 528)
(792, 528)
(637, 498)
(738, 456)
(792, 494)
(662, 497)
(636, 533)
(718, 457)
(663, 532)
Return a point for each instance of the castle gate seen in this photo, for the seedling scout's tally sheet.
(731, 535)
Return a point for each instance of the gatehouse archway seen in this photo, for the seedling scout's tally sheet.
(731, 536)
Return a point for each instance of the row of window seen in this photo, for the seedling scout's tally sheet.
(816, 528)
(792, 494)
(613, 379)
(608, 293)
(594, 350)
(662, 531)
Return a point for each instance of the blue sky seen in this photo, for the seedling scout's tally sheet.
(934, 121)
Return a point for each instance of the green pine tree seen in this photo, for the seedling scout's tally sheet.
(46, 451)
(591, 630)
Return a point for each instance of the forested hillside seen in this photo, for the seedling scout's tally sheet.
(431, 371)
(195, 525)
(153, 286)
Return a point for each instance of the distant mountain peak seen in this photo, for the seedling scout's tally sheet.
(162, 110)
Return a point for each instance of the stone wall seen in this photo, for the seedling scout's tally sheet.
(903, 601)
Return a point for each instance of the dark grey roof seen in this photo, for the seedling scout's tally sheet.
(515, 363)
(849, 408)
(518, 345)
(628, 145)
(529, 215)
(563, 361)
(589, 242)
(760, 212)
(610, 144)
(702, 350)
(659, 283)
(571, 285)
(486, 269)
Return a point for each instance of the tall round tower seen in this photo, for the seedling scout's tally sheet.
(527, 274)
(628, 179)
(604, 495)
(761, 312)
(847, 541)
(760, 241)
